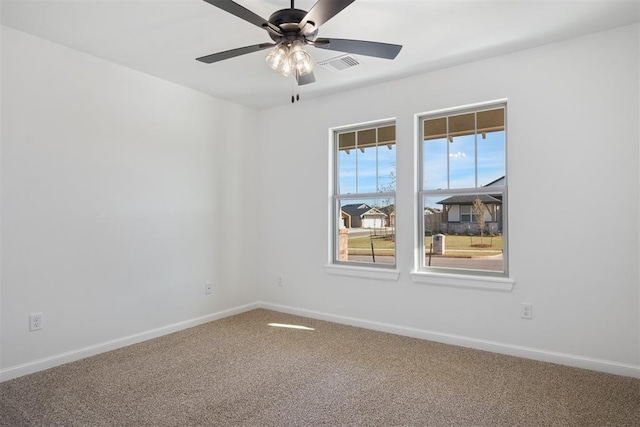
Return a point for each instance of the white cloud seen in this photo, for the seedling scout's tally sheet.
(457, 155)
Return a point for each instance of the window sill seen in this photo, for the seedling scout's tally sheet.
(487, 283)
(363, 272)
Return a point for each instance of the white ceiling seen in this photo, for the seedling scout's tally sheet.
(163, 37)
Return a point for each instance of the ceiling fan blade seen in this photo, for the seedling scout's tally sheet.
(324, 10)
(243, 13)
(361, 47)
(306, 79)
(215, 57)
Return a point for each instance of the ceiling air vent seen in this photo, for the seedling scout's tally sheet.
(339, 63)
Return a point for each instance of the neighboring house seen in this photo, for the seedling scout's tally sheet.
(458, 216)
(361, 215)
(390, 211)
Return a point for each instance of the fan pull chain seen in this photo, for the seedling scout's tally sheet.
(294, 97)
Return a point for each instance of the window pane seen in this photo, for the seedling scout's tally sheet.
(462, 162)
(491, 143)
(435, 129)
(462, 125)
(387, 168)
(366, 158)
(466, 214)
(367, 138)
(347, 141)
(434, 215)
(463, 231)
(490, 120)
(387, 135)
(434, 164)
(346, 166)
(462, 151)
(366, 231)
(491, 158)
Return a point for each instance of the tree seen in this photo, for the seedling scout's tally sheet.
(478, 214)
(390, 187)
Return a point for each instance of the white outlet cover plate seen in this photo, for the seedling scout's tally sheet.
(35, 321)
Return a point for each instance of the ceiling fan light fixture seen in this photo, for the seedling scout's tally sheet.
(289, 58)
(300, 59)
(286, 68)
(278, 56)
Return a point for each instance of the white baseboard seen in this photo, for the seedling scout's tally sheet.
(71, 356)
(576, 361)
(496, 347)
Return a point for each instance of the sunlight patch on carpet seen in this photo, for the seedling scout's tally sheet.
(287, 325)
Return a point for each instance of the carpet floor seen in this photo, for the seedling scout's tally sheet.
(240, 371)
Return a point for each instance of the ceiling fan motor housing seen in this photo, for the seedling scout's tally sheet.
(288, 21)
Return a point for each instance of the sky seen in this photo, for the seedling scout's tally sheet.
(462, 161)
(358, 170)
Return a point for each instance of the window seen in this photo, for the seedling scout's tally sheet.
(462, 191)
(364, 195)
(466, 214)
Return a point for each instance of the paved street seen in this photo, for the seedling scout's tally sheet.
(492, 263)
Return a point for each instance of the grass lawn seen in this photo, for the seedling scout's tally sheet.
(361, 245)
(468, 246)
(455, 246)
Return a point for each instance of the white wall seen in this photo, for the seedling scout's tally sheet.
(573, 189)
(121, 197)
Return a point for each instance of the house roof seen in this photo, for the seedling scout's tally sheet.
(495, 181)
(468, 199)
(360, 209)
(356, 209)
(389, 210)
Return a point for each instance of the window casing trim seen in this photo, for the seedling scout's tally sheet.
(336, 266)
(468, 281)
(363, 271)
(466, 278)
(443, 112)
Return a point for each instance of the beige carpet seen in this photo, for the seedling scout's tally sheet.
(240, 371)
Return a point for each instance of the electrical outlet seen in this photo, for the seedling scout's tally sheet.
(35, 321)
(526, 310)
(208, 288)
(280, 284)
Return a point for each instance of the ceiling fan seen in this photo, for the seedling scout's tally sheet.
(291, 29)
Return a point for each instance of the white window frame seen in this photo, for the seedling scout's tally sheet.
(464, 278)
(369, 270)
